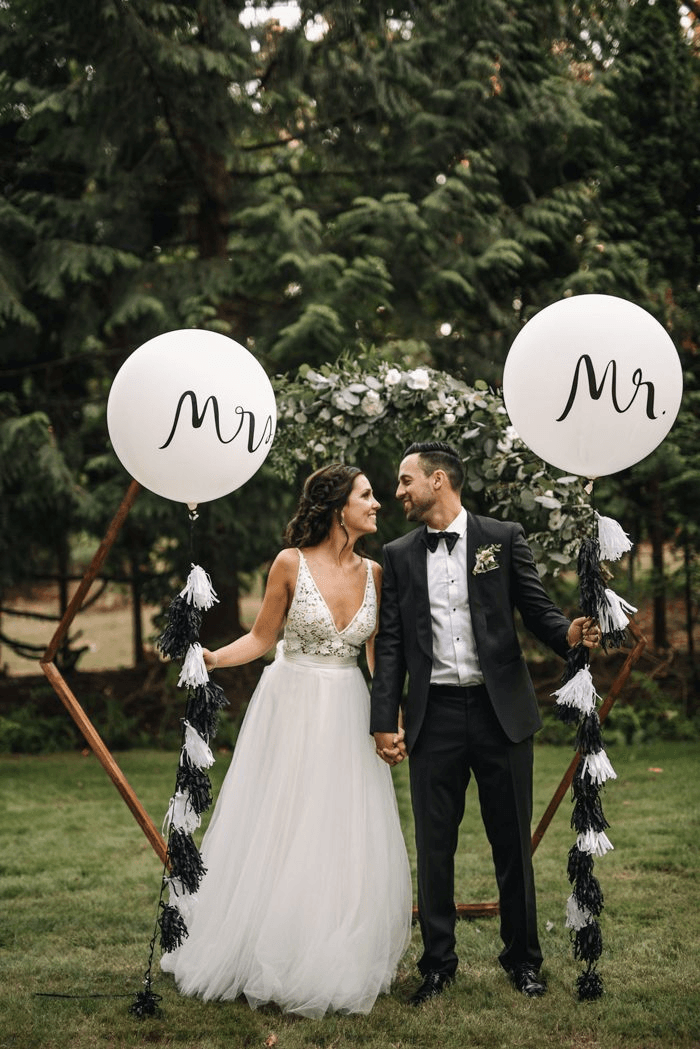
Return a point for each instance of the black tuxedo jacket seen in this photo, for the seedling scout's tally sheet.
(404, 640)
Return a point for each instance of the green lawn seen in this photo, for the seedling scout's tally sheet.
(80, 887)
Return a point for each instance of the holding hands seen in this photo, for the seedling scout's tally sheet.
(390, 746)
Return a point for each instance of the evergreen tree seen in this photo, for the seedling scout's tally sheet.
(647, 246)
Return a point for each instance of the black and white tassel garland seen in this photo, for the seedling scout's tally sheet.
(576, 704)
(184, 869)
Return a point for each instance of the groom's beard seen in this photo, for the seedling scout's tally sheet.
(417, 510)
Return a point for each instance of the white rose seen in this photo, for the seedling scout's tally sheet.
(506, 442)
(433, 407)
(418, 379)
(449, 418)
(392, 377)
(372, 404)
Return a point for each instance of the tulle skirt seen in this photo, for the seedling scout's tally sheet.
(307, 897)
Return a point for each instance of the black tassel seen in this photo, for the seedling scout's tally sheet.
(591, 584)
(588, 893)
(203, 705)
(173, 930)
(590, 986)
(145, 1003)
(588, 942)
(588, 737)
(589, 556)
(588, 815)
(185, 860)
(184, 622)
(578, 863)
(577, 658)
(567, 714)
(584, 786)
(613, 639)
(196, 782)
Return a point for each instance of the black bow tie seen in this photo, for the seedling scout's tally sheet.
(433, 538)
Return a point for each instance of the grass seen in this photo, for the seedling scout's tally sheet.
(80, 886)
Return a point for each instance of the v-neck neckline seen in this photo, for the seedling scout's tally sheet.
(325, 603)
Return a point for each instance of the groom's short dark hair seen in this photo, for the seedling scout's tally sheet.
(438, 455)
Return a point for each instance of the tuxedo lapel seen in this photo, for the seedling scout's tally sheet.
(421, 597)
(476, 537)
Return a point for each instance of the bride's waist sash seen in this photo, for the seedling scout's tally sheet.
(310, 660)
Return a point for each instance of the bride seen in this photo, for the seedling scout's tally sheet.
(307, 897)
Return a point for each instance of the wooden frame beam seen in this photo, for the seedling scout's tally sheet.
(67, 697)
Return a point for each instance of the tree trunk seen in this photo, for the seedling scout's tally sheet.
(687, 564)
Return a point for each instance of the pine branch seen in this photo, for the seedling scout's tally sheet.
(194, 169)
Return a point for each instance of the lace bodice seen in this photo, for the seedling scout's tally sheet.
(310, 629)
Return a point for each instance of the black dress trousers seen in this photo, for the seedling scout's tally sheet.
(460, 736)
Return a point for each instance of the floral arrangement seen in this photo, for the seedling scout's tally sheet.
(341, 411)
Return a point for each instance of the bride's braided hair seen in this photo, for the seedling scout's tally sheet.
(325, 494)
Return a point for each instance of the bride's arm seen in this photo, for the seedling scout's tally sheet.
(265, 631)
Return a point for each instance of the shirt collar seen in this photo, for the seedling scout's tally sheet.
(459, 525)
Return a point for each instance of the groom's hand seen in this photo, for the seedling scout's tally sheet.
(390, 746)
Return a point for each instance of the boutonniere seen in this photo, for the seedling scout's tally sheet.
(486, 559)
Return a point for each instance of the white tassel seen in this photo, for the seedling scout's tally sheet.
(598, 767)
(184, 901)
(197, 749)
(198, 589)
(612, 616)
(576, 916)
(595, 842)
(613, 541)
(578, 692)
(181, 814)
(193, 672)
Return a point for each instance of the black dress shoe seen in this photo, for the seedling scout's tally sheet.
(528, 981)
(434, 983)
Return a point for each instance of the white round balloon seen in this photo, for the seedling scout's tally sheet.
(191, 415)
(592, 384)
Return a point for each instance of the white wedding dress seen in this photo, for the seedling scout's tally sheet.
(307, 897)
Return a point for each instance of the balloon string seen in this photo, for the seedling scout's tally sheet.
(193, 516)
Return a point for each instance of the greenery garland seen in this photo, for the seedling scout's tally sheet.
(342, 410)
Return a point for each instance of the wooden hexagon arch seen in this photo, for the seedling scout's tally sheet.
(104, 756)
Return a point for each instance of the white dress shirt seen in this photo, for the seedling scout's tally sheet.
(455, 660)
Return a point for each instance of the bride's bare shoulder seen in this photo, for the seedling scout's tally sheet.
(376, 571)
(287, 558)
(285, 566)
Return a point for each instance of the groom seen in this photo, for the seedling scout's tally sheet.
(448, 594)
